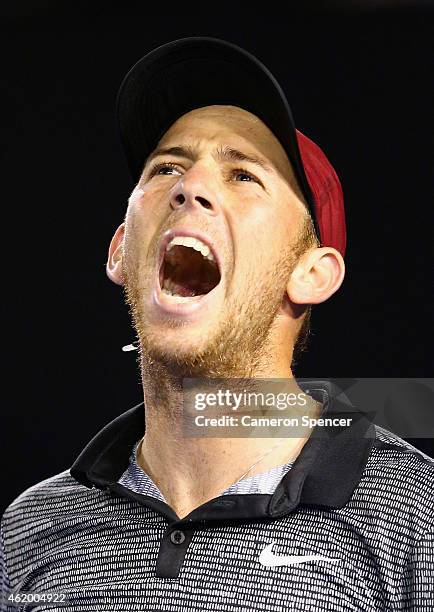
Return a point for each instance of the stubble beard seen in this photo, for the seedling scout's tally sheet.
(239, 345)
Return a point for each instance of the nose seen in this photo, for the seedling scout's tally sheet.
(192, 193)
(180, 199)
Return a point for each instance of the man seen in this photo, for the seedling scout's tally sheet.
(234, 229)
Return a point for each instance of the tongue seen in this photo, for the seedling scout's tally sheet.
(182, 290)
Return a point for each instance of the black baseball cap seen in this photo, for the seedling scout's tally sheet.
(194, 72)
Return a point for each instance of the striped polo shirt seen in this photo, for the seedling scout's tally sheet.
(347, 526)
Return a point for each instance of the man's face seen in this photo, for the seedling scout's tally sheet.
(251, 216)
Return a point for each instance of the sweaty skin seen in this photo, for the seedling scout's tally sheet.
(255, 216)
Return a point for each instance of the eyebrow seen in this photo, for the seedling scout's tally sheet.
(224, 153)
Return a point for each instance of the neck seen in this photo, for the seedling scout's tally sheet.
(192, 470)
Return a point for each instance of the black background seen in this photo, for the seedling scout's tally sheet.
(357, 77)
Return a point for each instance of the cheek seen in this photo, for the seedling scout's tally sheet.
(264, 230)
(266, 235)
(145, 211)
(138, 230)
(281, 224)
(148, 192)
(146, 200)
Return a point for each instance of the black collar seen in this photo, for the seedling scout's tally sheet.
(325, 474)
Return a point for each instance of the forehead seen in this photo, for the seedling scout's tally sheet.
(231, 125)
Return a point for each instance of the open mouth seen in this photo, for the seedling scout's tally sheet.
(188, 268)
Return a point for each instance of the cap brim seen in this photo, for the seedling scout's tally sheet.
(191, 73)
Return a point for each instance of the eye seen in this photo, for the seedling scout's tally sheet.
(244, 176)
(163, 169)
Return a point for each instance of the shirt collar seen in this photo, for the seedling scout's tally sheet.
(326, 472)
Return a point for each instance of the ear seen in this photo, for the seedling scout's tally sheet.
(114, 261)
(318, 274)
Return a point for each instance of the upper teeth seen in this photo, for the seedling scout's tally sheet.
(194, 243)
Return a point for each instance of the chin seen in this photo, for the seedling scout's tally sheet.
(176, 344)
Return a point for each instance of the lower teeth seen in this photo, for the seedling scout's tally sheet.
(168, 292)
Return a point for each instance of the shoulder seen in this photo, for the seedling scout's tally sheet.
(42, 521)
(401, 478)
(44, 501)
(391, 450)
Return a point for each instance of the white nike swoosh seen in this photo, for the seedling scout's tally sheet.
(269, 559)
